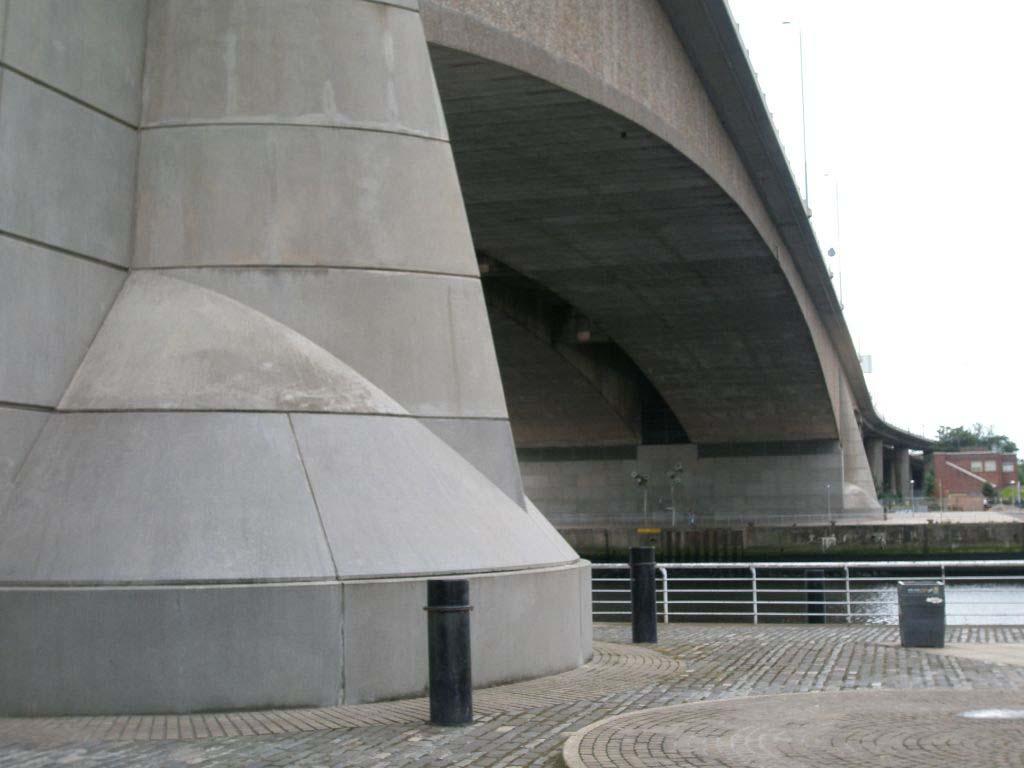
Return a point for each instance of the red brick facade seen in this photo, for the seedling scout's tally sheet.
(964, 474)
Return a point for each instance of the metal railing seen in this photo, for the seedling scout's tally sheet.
(817, 592)
(937, 506)
(711, 518)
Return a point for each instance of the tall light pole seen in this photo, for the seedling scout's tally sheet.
(911, 495)
(641, 482)
(803, 111)
(675, 475)
(828, 501)
(837, 252)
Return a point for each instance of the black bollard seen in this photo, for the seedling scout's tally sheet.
(642, 593)
(817, 605)
(451, 676)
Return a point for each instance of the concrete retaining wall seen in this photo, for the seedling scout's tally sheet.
(928, 540)
(599, 491)
(839, 542)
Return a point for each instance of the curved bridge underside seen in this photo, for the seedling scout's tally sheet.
(624, 227)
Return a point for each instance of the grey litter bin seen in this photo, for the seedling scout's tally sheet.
(922, 613)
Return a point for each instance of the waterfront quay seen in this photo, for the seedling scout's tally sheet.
(705, 694)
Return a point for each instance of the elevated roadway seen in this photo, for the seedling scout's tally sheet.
(620, 157)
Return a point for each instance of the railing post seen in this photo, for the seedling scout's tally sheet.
(849, 614)
(643, 595)
(753, 576)
(664, 591)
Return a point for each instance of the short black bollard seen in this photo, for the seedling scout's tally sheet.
(451, 675)
(642, 594)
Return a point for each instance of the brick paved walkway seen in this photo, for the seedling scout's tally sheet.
(895, 729)
(526, 724)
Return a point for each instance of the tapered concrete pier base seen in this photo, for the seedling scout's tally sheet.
(257, 402)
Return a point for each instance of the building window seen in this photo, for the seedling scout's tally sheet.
(975, 466)
(1008, 468)
(990, 466)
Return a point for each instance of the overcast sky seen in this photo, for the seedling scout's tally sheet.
(915, 109)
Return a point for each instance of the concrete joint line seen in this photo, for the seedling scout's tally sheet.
(28, 586)
(27, 406)
(483, 572)
(373, 414)
(406, 6)
(312, 494)
(340, 581)
(3, 26)
(236, 123)
(68, 96)
(61, 250)
(133, 234)
(339, 267)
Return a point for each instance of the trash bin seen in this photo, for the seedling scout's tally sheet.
(922, 613)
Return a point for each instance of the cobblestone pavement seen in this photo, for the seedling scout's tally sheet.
(896, 729)
(527, 724)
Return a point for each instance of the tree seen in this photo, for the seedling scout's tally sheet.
(975, 437)
(988, 491)
(929, 483)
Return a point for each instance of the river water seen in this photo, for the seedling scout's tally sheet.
(965, 604)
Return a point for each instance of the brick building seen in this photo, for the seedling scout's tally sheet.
(960, 477)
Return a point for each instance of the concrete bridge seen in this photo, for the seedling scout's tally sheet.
(657, 296)
(249, 395)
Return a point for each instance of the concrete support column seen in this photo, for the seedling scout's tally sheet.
(873, 448)
(237, 442)
(333, 167)
(901, 471)
(858, 483)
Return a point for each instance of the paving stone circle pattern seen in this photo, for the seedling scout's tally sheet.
(528, 724)
(808, 730)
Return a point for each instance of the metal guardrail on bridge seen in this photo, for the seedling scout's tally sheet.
(815, 591)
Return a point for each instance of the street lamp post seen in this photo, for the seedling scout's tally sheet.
(911, 495)
(675, 475)
(837, 252)
(828, 501)
(803, 110)
(641, 482)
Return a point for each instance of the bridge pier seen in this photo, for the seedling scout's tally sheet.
(901, 471)
(874, 449)
(233, 501)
